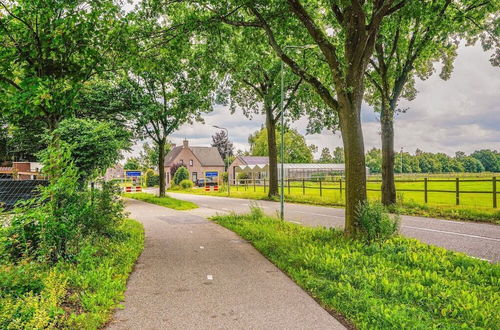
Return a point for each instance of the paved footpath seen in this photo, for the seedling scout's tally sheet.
(195, 274)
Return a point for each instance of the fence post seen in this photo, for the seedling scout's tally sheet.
(457, 190)
(288, 186)
(254, 185)
(425, 189)
(494, 192)
(303, 187)
(264, 185)
(340, 188)
(320, 189)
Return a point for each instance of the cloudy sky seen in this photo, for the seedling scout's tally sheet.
(462, 113)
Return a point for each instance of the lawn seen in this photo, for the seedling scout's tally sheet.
(77, 294)
(166, 201)
(400, 284)
(473, 206)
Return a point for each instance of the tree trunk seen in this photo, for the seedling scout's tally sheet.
(273, 152)
(355, 170)
(161, 165)
(387, 126)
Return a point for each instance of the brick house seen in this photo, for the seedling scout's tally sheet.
(197, 160)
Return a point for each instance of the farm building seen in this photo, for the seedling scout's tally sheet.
(257, 167)
(21, 171)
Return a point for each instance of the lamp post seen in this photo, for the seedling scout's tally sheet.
(225, 156)
(402, 160)
(282, 132)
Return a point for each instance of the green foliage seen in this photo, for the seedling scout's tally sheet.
(81, 294)
(376, 223)
(490, 159)
(94, 145)
(400, 284)
(374, 160)
(152, 179)
(132, 163)
(296, 148)
(186, 184)
(166, 201)
(181, 174)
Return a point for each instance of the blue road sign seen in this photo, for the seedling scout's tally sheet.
(133, 173)
(211, 174)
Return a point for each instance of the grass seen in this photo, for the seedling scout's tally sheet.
(399, 284)
(438, 206)
(81, 294)
(166, 201)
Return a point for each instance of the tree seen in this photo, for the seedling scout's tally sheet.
(95, 146)
(181, 174)
(419, 34)
(374, 160)
(132, 163)
(338, 155)
(471, 165)
(149, 155)
(326, 156)
(48, 49)
(225, 147)
(489, 159)
(296, 148)
(174, 86)
(345, 34)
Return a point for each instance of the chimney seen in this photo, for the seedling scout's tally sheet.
(185, 144)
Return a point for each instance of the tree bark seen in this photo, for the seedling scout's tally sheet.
(161, 165)
(355, 169)
(388, 183)
(273, 151)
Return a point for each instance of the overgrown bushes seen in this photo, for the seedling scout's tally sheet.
(186, 184)
(181, 174)
(376, 223)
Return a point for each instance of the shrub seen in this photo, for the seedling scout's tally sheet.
(243, 177)
(174, 168)
(186, 184)
(181, 174)
(152, 179)
(376, 223)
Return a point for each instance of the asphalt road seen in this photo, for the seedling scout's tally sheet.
(475, 239)
(195, 274)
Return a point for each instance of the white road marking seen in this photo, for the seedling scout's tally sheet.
(319, 214)
(202, 247)
(299, 223)
(453, 233)
(210, 277)
(227, 210)
(481, 259)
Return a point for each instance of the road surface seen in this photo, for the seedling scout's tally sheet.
(475, 239)
(195, 274)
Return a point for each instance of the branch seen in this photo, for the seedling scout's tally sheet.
(11, 82)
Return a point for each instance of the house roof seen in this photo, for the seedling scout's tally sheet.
(254, 160)
(207, 156)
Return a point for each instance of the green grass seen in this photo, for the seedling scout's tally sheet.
(473, 206)
(400, 284)
(166, 201)
(81, 294)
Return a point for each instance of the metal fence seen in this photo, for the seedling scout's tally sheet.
(12, 191)
(454, 188)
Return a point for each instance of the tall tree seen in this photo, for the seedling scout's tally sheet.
(220, 140)
(326, 156)
(344, 33)
(48, 49)
(409, 42)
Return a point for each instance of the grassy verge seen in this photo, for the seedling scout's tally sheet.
(467, 213)
(81, 294)
(166, 201)
(401, 283)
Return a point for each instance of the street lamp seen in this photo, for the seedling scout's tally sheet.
(282, 132)
(225, 155)
(402, 160)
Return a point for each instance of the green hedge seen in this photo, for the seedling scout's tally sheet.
(77, 294)
(400, 284)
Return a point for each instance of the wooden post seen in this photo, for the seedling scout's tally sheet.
(288, 186)
(264, 185)
(320, 189)
(303, 187)
(494, 192)
(425, 191)
(340, 188)
(254, 185)
(457, 190)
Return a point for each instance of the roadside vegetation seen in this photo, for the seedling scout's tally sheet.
(385, 283)
(65, 255)
(166, 201)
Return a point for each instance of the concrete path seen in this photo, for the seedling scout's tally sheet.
(195, 274)
(479, 240)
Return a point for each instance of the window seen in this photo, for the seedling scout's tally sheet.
(191, 162)
(195, 177)
(182, 162)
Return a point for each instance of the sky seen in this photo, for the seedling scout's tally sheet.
(462, 113)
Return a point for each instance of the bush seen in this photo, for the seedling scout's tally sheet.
(186, 184)
(243, 177)
(376, 223)
(181, 174)
(152, 179)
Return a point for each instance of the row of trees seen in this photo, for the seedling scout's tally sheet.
(166, 63)
(427, 162)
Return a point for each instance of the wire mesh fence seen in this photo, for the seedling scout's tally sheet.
(13, 191)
